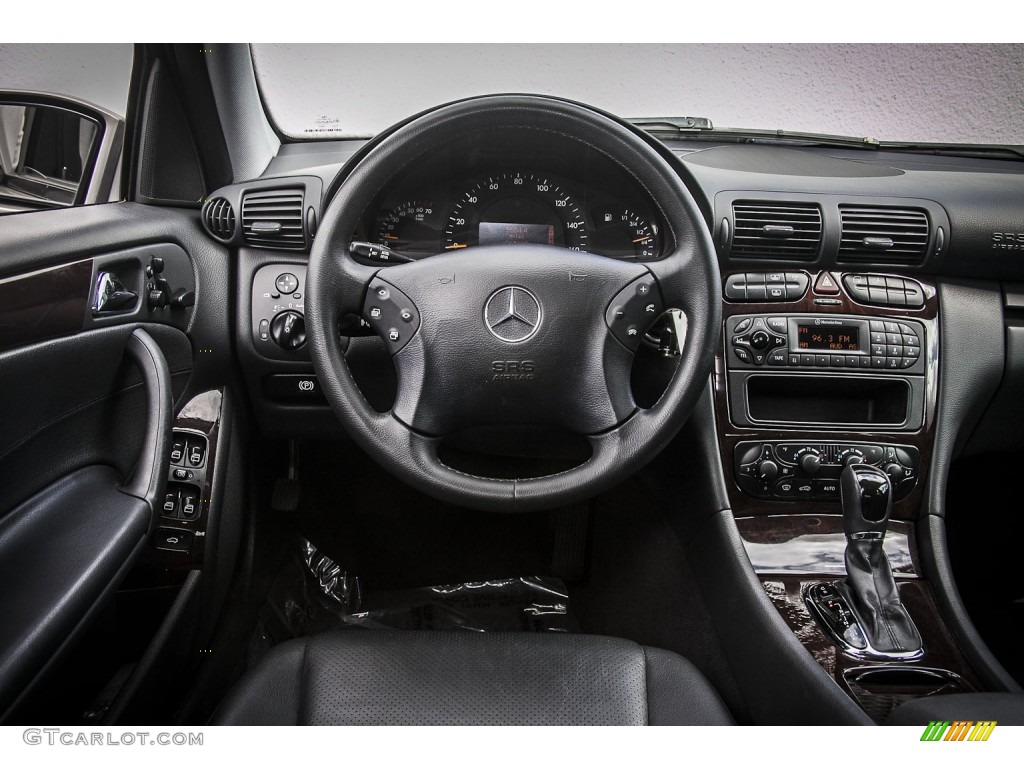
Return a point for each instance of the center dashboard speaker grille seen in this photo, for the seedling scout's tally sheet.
(776, 230)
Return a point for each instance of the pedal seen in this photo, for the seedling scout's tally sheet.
(286, 494)
(569, 555)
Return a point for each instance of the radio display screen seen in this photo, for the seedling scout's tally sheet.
(836, 338)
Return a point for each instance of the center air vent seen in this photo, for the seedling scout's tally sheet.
(883, 235)
(219, 218)
(776, 230)
(273, 218)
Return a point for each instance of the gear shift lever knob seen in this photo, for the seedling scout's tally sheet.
(866, 493)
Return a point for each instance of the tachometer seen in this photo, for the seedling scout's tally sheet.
(411, 227)
(514, 208)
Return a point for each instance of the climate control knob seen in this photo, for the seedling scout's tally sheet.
(894, 471)
(288, 329)
(851, 457)
(767, 470)
(810, 463)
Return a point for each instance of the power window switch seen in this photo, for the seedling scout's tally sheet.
(196, 452)
(189, 506)
(170, 506)
(178, 451)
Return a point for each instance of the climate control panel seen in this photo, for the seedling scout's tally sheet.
(794, 471)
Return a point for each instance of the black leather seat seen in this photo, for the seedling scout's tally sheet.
(360, 677)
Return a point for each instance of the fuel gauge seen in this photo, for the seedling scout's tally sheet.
(624, 234)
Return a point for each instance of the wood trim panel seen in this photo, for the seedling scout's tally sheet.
(44, 304)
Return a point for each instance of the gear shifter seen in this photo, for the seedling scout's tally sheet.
(864, 611)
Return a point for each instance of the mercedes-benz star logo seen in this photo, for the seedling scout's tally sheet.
(512, 314)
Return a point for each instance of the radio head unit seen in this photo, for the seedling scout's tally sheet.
(825, 341)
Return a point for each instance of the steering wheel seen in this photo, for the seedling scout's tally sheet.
(514, 334)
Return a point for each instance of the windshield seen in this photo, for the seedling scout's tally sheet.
(953, 93)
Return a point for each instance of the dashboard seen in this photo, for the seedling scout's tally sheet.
(789, 223)
(872, 305)
(545, 191)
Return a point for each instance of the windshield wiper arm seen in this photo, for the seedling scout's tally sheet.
(995, 151)
(702, 127)
(680, 124)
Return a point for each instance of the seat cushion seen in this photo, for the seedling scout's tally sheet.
(356, 677)
(1004, 708)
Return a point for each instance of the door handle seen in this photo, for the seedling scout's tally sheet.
(111, 295)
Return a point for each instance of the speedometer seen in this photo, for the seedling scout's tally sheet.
(515, 208)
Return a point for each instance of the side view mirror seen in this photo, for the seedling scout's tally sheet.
(55, 151)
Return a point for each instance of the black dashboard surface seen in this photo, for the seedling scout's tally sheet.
(980, 196)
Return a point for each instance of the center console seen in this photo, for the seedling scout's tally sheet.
(820, 374)
(810, 379)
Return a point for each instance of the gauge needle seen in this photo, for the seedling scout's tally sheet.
(642, 239)
(390, 237)
(454, 245)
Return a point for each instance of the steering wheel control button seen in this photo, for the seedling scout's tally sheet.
(635, 308)
(513, 314)
(391, 314)
(286, 283)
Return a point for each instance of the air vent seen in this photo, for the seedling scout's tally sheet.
(219, 218)
(273, 218)
(776, 230)
(883, 235)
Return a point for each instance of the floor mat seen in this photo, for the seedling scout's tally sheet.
(315, 594)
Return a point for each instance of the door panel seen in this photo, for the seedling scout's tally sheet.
(86, 405)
